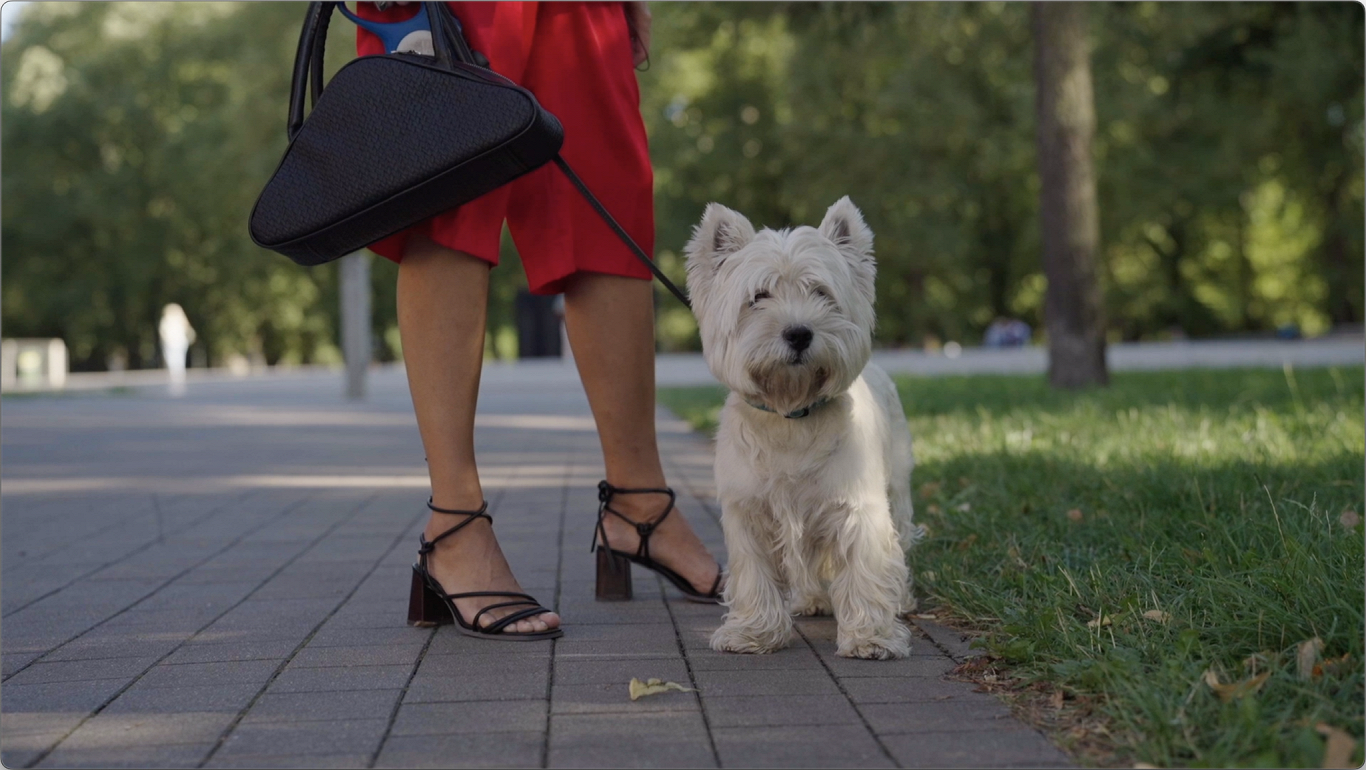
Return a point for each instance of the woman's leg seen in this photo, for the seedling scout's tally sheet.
(442, 302)
(610, 320)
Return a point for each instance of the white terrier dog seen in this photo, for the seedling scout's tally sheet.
(813, 455)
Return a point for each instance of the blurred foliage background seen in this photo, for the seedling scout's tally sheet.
(1229, 153)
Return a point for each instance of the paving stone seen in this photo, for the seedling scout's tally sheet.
(180, 755)
(788, 658)
(323, 706)
(916, 665)
(518, 684)
(309, 761)
(666, 739)
(368, 655)
(165, 700)
(937, 716)
(998, 748)
(351, 736)
(487, 666)
(615, 648)
(575, 671)
(804, 746)
(81, 697)
(909, 690)
(341, 678)
(958, 644)
(615, 698)
(776, 682)
(476, 750)
(130, 730)
(277, 650)
(470, 717)
(765, 711)
(222, 672)
(81, 670)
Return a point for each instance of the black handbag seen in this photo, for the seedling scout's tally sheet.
(397, 139)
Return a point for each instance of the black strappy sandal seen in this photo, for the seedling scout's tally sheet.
(429, 604)
(614, 567)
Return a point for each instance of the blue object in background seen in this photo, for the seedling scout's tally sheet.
(409, 36)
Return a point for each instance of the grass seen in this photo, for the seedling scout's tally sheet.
(1228, 500)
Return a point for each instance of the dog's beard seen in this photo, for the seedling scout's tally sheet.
(788, 381)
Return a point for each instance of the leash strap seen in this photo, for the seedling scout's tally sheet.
(621, 233)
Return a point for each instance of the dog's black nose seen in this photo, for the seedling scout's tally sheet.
(799, 337)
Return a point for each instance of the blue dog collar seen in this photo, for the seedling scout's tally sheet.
(797, 415)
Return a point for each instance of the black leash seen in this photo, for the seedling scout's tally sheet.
(606, 217)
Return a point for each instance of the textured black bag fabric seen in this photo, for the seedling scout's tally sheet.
(392, 141)
(396, 139)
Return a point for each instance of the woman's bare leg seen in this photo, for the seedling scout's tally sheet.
(610, 320)
(442, 304)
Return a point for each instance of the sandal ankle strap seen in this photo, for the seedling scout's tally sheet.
(643, 528)
(427, 546)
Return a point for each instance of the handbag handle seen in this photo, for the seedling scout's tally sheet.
(448, 43)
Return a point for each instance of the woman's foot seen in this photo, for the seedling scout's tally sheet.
(471, 560)
(672, 544)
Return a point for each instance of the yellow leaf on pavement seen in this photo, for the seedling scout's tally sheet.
(640, 689)
(1228, 692)
(1338, 752)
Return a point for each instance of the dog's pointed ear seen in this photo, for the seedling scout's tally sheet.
(844, 226)
(721, 233)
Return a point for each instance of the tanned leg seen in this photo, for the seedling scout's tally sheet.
(610, 320)
(442, 303)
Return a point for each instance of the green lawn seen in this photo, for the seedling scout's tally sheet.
(1216, 497)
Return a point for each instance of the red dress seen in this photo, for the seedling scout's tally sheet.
(576, 58)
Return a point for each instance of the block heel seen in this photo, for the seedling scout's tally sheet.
(614, 577)
(425, 607)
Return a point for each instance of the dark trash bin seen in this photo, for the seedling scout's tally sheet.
(538, 326)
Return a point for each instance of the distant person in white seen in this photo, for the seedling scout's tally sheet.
(176, 337)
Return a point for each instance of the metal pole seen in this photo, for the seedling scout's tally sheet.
(355, 321)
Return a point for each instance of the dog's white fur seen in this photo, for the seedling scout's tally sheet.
(816, 510)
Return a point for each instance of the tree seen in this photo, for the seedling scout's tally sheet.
(1070, 226)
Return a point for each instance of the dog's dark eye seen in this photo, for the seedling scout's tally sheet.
(759, 296)
(822, 293)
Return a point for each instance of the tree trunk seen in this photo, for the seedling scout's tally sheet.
(1073, 313)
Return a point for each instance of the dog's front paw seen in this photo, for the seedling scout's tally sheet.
(896, 644)
(811, 606)
(732, 638)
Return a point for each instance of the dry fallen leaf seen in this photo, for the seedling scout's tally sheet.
(1350, 519)
(1228, 692)
(1100, 622)
(965, 507)
(1159, 616)
(933, 509)
(640, 689)
(1056, 699)
(967, 542)
(1074, 514)
(925, 617)
(1334, 666)
(1338, 752)
(1144, 766)
(1306, 655)
(929, 489)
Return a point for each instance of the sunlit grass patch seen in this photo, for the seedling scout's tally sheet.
(1120, 543)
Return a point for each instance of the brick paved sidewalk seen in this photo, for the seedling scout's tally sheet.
(221, 581)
